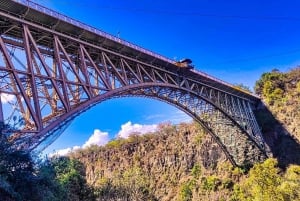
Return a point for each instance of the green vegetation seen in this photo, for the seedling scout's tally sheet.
(271, 86)
(196, 171)
(265, 183)
(281, 93)
(210, 183)
(133, 184)
(52, 180)
(186, 191)
(70, 175)
(16, 172)
(242, 87)
(131, 177)
(177, 163)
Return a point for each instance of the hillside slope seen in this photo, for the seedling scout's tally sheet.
(280, 118)
(165, 159)
(182, 162)
(281, 93)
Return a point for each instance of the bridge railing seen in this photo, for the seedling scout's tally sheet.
(89, 28)
(222, 82)
(94, 30)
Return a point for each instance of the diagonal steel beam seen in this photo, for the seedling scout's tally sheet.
(124, 72)
(18, 81)
(84, 85)
(143, 70)
(64, 98)
(46, 68)
(29, 66)
(131, 70)
(121, 79)
(84, 70)
(107, 85)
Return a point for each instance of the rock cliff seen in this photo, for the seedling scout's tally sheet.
(167, 157)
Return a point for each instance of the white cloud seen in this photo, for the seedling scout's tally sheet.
(129, 128)
(5, 98)
(63, 152)
(102, 138)
(98, 138)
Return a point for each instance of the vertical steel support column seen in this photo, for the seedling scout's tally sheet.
(107, 78)
(236, 113)
(55, 94)
(255, 124)
(18, 81)
(1, 115)
(231, 113)
(84, 70)
(242, 115)
(64, 98)
(29, 59)
(247, 118)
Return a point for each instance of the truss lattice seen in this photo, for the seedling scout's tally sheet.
(48, 77)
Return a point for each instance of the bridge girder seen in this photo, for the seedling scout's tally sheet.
(49, 77)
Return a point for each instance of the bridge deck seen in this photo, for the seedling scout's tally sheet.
(55, 21)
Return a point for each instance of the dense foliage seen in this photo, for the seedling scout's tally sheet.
(265, 182)
(16, 172)
(56, 179)
(281, 93)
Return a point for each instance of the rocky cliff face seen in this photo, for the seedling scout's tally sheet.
(281, 93)
(280, 119)
(183, 163)
(166, 157)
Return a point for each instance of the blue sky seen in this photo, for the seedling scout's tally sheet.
(235, 41)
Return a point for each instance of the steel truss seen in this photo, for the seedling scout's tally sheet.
(47, 78)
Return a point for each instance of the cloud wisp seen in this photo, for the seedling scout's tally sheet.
(128, 128)
(64, 152)
(155, 117)
(175, 117)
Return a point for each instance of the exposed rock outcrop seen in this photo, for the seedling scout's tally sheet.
(167, 157)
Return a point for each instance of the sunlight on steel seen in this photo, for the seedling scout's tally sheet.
(53, 68)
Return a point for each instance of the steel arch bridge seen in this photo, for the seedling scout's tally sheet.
(53, 68)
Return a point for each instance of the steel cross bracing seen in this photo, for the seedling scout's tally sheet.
(47, 78)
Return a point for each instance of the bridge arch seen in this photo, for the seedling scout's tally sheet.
(235, 142)
(67, 67)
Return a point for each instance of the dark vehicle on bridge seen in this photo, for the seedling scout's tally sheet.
(184, 63)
